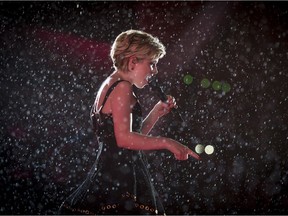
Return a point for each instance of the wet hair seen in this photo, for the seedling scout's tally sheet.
(135, 43)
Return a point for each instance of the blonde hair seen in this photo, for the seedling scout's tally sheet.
(135, 42)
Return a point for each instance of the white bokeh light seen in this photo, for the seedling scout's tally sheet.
(199, 149)
(209, 149)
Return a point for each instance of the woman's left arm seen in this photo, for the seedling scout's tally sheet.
(159, 110)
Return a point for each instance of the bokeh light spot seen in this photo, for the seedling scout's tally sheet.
(205, 83)
(216, 85)
(226, 87)
(188, 79)
(199, 149)
(209, 149)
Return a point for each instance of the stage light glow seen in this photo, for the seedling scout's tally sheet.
(226, 87)
(216, 85)
(209, 149)
(199, 149)
(188, 79)
(205, 83)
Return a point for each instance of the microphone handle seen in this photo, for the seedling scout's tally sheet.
(163, 97)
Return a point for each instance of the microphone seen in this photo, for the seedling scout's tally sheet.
(153, 82)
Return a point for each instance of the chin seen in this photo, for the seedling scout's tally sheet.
(141, 85)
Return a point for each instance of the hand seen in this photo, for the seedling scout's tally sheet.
(163, 108)
(181, 152)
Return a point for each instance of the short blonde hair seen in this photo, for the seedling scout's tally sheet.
(135, 42)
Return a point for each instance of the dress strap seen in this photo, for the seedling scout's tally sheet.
(109, 92)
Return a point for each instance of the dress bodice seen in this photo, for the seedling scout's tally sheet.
(116, 163)
(119, 181)
(104, 129)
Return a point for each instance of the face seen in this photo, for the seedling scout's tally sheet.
(144, 69)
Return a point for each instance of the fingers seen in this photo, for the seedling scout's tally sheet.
(181, 153)
(184, 154)
(171, 102)
(193, 154)
(181, 156)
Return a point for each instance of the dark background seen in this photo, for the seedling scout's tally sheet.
(54, 55)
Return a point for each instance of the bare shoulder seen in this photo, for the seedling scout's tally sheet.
(121, 94)
(125, 85)
(123, 89)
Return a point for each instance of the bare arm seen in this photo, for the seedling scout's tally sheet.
(149, 122)
(159, 110)
(122, 102)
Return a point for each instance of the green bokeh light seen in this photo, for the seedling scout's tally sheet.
(226, 87)
(188, 79)
(205, 83)
(216, 85)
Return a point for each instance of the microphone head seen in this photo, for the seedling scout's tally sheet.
(153, 82)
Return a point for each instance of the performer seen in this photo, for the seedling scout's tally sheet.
(119, 181)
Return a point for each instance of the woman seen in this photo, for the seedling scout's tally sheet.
(119, 182)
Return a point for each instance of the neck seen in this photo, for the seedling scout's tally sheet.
(120, 75)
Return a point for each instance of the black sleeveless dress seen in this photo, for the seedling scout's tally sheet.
(119, 181)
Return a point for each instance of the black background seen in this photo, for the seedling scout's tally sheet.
(54, 55)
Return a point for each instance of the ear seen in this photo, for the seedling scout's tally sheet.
(132, 63)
